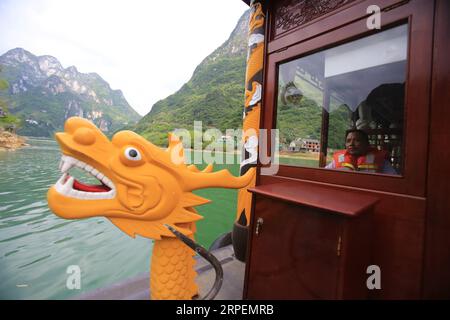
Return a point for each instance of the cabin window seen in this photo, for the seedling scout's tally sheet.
(356, 85)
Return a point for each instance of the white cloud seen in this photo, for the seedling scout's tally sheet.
(148, 49)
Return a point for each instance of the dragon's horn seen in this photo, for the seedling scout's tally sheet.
(219, 179)
(208, 168)
(193, 168)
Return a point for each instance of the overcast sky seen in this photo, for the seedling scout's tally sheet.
(148, 49)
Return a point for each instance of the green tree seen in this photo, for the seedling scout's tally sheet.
(6, 119)
(3, 86)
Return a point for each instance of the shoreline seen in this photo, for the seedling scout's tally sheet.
(11, 141)
(14, 142)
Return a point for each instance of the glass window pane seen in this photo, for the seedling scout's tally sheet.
(357, 85)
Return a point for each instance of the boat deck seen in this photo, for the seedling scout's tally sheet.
(137, 288)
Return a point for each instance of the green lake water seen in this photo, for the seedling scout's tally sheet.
(37, 247)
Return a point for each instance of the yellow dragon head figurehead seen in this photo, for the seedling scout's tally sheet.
(142, 187)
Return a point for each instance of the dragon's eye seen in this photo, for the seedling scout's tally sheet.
(132, 154)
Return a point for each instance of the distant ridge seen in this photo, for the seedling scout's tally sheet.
(43, 95)
(214, 94)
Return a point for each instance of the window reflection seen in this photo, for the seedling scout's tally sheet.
(358, 85)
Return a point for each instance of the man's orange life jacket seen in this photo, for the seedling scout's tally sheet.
(372, 161)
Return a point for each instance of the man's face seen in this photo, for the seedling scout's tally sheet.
(355, 144)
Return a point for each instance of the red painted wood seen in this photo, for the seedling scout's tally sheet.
(411, 209)
(325, 23)
(398, 233)
(295, 255)
(319, 197)
(437, 263)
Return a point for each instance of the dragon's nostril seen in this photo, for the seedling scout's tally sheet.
(84, 136)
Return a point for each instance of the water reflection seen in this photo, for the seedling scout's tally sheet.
(36, 247)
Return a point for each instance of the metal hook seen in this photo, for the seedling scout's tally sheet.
(207, 256)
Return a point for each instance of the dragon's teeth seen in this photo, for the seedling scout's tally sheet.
(102, 195)
(81, 165)
(66, 166)
(69, 182)
(66, 187)
(59, 184)
(89, 195)
(66, 159)
(107, 181)
(61, 179)
(77, 194)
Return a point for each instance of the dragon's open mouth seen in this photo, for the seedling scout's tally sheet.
(70, 187)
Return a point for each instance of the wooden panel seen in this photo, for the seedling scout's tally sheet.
(356, 257)
(318, 196)
(306, 253)
(437, 275)
(399, 217)
(294, 257)
(398, 251)
(398, 231)
(345, 15)
(290, 14)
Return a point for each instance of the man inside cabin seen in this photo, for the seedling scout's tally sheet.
(360, 156)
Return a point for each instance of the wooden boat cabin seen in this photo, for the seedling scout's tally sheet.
(379, 229)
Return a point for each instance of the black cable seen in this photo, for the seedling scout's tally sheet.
(208, 256)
